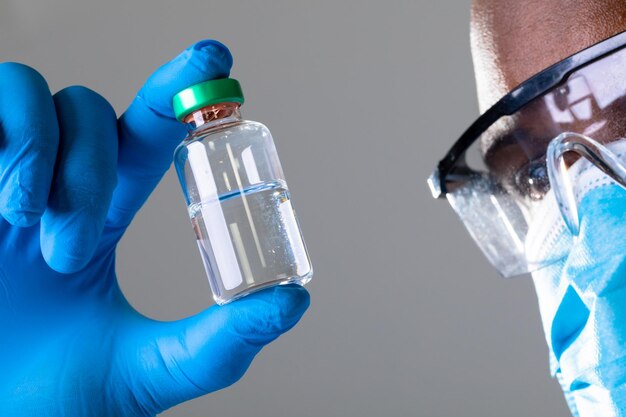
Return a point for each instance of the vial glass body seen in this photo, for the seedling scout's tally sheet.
(239, 205)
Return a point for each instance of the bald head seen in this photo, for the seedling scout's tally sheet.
(514, 39)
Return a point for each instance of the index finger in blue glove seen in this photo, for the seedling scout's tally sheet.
(29, 138)
(148, 130)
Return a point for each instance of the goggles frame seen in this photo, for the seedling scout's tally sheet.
(450, 168)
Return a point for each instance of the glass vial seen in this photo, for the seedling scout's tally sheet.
(236, 194)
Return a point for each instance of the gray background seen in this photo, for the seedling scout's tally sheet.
(363, 97)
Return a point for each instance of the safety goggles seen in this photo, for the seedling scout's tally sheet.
(528, 151)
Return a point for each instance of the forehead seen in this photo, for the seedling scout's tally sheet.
(513, 40)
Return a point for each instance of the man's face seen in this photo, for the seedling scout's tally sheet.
(580, 270)
(513, 40)
(514, 148)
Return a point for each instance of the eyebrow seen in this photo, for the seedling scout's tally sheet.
(527, 137)
(506, 136)
(495, 144)
(524, 147)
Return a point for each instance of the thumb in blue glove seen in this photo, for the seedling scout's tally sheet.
(71, 180)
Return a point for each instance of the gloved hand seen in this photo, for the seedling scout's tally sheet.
(72, 178)
(583, 307)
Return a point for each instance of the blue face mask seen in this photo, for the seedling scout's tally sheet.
(582, 294)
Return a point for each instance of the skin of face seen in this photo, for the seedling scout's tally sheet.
(511, 41)
(514, 39)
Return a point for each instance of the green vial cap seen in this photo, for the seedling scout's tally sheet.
(205, 94)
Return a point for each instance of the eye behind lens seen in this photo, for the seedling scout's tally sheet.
(532, 181)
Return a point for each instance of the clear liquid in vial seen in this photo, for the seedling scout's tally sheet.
(249, 240)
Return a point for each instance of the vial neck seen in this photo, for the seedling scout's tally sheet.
(213, 115)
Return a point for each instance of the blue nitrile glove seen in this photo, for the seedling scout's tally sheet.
(583, 307)
(72, 178)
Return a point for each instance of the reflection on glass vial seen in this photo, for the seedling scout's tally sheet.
(238, 200)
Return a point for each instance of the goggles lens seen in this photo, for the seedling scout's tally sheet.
(526, 167)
